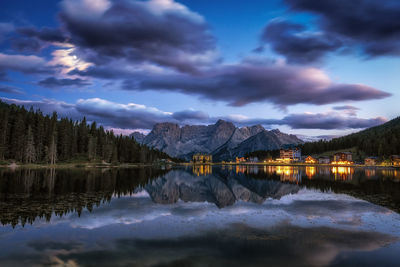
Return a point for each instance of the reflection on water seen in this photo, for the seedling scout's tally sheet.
(29, 194)
(26, 195)
(201, 170)
(343, 173)
(200, 216)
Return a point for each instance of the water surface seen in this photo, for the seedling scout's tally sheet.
(200, 216)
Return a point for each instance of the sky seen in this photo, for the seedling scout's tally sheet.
(314, 68)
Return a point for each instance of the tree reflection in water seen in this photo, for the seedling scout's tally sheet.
(27, 195)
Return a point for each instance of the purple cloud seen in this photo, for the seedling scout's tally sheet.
(250, 82)
(296, 44)
(371, 25)
(164, 33)
(135, 116)
(26, 64)
(52, 82)
(10, 90)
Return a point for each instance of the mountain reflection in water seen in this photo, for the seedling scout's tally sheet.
(26, 195)
(199, 216)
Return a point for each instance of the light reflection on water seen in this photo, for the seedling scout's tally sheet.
(200, 215)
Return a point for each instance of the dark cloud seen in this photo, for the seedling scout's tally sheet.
(44, 34)
(3, 75)
(190, 115)
(5, 29)
(330, 121)
(10, 90)
(31, 39)
(165, 33)
(246, 83)
(322, 121)
(296, 44)
(346, 107)
(374, 26)
(52, 82)
(26, 45)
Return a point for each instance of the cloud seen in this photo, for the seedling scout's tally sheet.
(31, 39)
(47, 106)
(296, 44)
(52, 82)
(21, 63)
(121, 115)
(66, 59)
(162, 32)
(5, 29)
(3, 75)
(328, 121)
(136, 116)
(370, 25)
(22, 44)
(347, 109)
(190, 115)
(44, 34)
(10, 90)
(249, 82)
(322, 121)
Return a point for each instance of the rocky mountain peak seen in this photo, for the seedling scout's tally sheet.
(221, 139)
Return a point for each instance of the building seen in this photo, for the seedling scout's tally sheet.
(293, 154)
(202, 158)
(310, 160)
(395, 159)
(240, 160)
(371, 161)
(343, 158)
(254, 159)
(324, 160)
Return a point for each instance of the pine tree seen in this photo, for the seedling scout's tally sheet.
(30, 152)
(52, 151)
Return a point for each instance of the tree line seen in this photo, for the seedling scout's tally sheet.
(29, 136)
(382, 141)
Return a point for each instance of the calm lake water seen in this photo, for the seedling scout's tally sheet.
(200, 216)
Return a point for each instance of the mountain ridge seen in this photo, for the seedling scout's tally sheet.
(223, 139)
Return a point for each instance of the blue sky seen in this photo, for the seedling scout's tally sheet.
(305, 67)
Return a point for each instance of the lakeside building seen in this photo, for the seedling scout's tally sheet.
(200, 158)
(324, 160)
(254, 159)
(290, 155)
(395, 159)
(310, 160)
(371, 161)
(240, 160)
(343, 158)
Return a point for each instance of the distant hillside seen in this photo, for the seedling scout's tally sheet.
(382, 141)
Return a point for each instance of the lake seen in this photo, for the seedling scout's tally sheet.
(200, 216)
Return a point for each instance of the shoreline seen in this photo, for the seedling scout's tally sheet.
(136, 165)
(293, 164)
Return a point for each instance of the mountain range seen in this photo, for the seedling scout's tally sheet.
(223, 139)
(221, 188)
